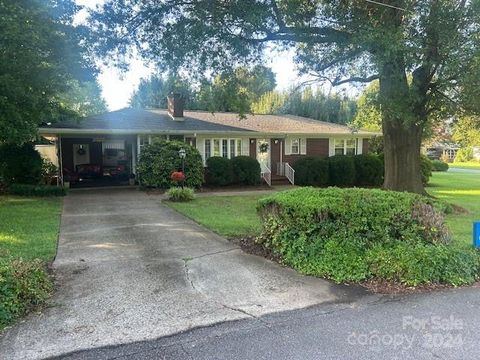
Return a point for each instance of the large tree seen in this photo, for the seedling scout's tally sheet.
(44, 71)
(425, 53)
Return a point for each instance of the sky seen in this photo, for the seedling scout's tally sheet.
(117, 87)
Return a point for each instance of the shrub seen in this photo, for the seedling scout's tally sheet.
(356, 234)
(246, 170)
(36, 190)
(219, 171)
(464, 154)
(20, 164)
(159, 160)
(49, 171)
(180, 194)
(23, 285)
(368, 170)
(342, 170)
(311, 171)
(439, 165)
(426, 168)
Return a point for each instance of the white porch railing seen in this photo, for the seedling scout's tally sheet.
(266, 174)
(289, 173)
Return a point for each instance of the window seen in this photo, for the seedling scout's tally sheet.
(208, 150)
(345, 146)
(350, 147)
(232, 148)
(295, 146)
(227, 148)
(216, 147)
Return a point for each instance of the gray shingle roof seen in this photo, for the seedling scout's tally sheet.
(132, 120)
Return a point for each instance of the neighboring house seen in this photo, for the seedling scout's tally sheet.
(111, 142)
(442, 150)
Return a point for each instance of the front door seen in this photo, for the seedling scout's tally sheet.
(81, 155)
(263, 153)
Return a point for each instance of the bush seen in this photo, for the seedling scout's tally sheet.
(368, 170)
(311, 171)
(439, 165)
(20, 164)
(36, 190)
(464, 154)
(426, 169)
(342, 170)
(219, 171)
(23, 285)
(246, 170)
(357, 234)
(159, 160)
(179, 194)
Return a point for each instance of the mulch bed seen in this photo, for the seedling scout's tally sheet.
(249, 245)
(229, 188)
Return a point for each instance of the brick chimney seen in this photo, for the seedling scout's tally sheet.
(176, 103)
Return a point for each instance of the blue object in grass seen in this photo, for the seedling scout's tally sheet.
(476, 234)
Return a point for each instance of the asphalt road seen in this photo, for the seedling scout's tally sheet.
(440, 325)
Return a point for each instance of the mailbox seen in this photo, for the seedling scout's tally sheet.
(476, 234)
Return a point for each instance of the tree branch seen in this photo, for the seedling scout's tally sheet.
(359, 79)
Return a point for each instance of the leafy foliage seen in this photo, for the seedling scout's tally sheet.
(368, 170)
(160, 159)
(464, 154)
(342, 170)
(24, 284)
(43, 65)
(20, 164)
(36, 190)
(357, 234)
(246, 170)
(308, 103)
(426, 168)
(311, 171)
(219, 171)
(368, 114)
(179, 194)
(439, 165)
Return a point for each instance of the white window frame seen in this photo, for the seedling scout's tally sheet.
(296, 142)
(230, 152)
(344, 146)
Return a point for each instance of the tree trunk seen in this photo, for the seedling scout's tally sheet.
(402, 130)
(402, 157)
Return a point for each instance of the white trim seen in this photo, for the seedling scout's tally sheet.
(303, 146)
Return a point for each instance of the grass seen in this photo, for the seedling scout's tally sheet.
(466, 165)
(461, 189)
(229, 216)
(29, 226)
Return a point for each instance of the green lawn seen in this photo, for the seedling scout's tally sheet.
(29, 226)
(466, 165)
(226, 215)
(463, 190)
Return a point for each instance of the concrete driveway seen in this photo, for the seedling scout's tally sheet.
(129, 268)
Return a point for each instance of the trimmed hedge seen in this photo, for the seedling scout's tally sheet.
(342, 170)
(160, 159)
(439, 165)
(311, 171)
(357, 234)
(369, 170)
(24, 284)
(36, 190)
(20, 164)
(219, 171)
(246, 170)
(426, 169)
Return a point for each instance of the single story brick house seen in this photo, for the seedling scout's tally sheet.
(113, 141)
